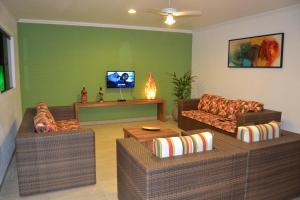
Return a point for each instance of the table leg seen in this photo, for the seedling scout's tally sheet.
(76, 108)
(161, 110)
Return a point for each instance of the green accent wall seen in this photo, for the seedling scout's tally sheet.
(56, 61)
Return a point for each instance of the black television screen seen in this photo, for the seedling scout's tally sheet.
(120, 79)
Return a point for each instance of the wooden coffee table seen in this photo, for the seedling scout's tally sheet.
(146, 137)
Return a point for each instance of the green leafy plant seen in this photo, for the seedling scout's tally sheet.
(182, 85)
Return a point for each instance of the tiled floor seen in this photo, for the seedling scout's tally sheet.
(105, 189)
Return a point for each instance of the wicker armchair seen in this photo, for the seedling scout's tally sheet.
(249, 118)
(219, 174)
(54, 161)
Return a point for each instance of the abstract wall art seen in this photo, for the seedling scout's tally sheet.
(264, 51)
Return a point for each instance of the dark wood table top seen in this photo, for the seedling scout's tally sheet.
(142, 135)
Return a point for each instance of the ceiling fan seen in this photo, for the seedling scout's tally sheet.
(171, 12)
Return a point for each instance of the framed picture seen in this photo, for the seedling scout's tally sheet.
(264, 51)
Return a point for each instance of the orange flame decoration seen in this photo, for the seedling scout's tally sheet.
(150, 88)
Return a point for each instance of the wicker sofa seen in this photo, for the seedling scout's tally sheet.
(54, 160)
(221, 114)
(233, 170)
(218, 174)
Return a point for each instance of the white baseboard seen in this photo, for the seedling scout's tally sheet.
(139, 119)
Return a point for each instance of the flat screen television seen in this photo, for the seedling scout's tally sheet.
(120, 79)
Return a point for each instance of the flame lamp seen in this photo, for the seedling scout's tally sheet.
(150, 88)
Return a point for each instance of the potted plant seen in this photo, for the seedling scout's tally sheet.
(182, 89)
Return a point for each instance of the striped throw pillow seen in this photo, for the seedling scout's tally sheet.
(175, 146)
(256, 133)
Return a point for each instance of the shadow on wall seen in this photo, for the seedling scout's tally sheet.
(7, 148)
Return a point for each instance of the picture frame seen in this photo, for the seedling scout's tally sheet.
(263, 51)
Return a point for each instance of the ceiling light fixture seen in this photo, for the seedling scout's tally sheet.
(131, 11)
(170, 20)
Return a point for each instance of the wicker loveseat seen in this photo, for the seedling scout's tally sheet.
(54, 160)
(233, 170)
(223, 115)
(218, 174)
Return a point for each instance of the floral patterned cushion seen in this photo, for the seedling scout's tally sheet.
(209, 103)
(204, 102)
(41, 105)
(223, 108)
(242, 106)
(199, 116)
(214, 105)
(47, 113)
(67, 125)
(233, 107)
(213, 120)
(255, 106)
(225, 124)
(43, 123)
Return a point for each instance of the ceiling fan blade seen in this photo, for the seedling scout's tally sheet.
(163, 13)
(187, 13)
(153, 11)
(156, 12)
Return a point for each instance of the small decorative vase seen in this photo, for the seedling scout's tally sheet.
(100, 94)
(84, 96)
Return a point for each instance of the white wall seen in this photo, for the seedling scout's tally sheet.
(278, 89)
(10, 101)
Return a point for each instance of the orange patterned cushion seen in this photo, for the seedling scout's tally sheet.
(233, 107)
(214, 105)
(208, 103)
(204, 102)
(213, 120)
(223, 108)
(67, 125)
(225, 124)
(227, 108)
(41, 105)
(255, 106)
(44, 121)
(242, 106)
(47, 113)
(249, 106)
(43, 124)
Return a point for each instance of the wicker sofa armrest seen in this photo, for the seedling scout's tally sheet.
(187, 104)
(62, 112)
(262, 117)
(50, 162)
(27, 125)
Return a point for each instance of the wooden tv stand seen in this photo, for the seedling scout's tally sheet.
(161, 106)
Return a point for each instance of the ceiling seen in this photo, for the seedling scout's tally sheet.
(115, 11)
